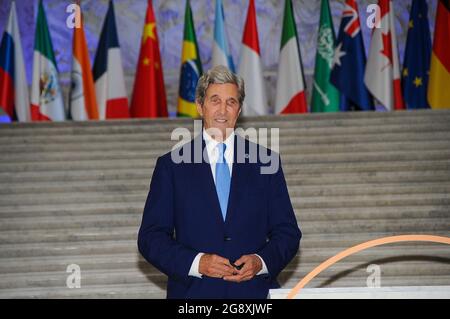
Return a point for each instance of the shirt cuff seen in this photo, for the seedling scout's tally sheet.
(264, 270)
(194, 271)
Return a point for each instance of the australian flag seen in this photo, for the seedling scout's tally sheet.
(349, 63)
(416, 65)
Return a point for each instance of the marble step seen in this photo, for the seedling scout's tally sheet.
(139, 186)
(163, 144)
(299, 159)
(150, 152)
(18, 200)
(312, 254)
(136, 276)
(334, 119)
(148, 291)
(309, 228)
(105, 175)
(288, 128)
(124, 291)
(111, 209)
(135, 260)
(49, 224)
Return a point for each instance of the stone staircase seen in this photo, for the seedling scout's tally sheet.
(73, 193)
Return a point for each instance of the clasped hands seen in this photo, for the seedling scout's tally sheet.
(215, 266)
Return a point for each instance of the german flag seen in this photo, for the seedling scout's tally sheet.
(438, 93)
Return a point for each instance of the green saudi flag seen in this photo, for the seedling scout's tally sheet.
(325, 96)
(46, 96)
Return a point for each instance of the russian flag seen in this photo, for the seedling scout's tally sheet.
(14, 99)
(221, 50)
(108, 72)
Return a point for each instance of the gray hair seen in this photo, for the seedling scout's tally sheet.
(219, 75)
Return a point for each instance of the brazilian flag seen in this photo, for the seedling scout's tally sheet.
(191, 68)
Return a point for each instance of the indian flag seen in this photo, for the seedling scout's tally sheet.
(83, 103)
(290, 96)
(46, 97)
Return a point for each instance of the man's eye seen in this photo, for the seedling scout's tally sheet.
(232, 103)
(215, 101)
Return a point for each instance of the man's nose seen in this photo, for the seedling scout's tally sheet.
(223, 108)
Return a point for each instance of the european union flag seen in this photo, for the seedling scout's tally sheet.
(349, 63)
(416, 65)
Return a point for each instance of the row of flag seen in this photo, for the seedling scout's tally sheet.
(344, 79)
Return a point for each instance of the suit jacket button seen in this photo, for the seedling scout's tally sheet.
(227, 238)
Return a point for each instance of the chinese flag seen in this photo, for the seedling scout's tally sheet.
(149, 94)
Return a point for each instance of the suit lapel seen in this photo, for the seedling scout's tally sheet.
(203, 173)
(239, 179)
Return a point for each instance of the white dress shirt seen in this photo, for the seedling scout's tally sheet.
(213, 155)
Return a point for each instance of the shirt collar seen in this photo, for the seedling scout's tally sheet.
(211, 143)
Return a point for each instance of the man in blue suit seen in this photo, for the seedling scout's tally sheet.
(216, 223)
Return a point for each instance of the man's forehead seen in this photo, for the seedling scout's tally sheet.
(222, 90)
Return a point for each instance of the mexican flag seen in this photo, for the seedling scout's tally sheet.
(325, 96)
(290, 97)
(46, 96)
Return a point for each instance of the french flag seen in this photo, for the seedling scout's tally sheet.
(108, 72)
(14, 99)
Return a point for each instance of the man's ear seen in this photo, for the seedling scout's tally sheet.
(199, 108)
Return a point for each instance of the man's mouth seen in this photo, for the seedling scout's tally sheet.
(221, 121)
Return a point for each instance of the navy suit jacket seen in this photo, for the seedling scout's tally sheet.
(182, 218)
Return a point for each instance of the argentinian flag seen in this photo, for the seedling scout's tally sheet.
(221, 50)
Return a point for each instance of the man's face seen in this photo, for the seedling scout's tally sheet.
(221, 108)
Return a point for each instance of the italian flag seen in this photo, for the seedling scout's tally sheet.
(290, 96)
(46, 97)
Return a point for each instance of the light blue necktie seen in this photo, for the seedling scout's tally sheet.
(223, 179)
